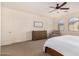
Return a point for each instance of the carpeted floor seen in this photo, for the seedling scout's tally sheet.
(30, 48)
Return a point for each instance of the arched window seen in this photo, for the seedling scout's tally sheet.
(61, 25)
(73, 24)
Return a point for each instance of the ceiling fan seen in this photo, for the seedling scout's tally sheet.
(58, 6)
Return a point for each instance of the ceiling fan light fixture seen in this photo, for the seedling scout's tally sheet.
(58, 11)
(66, 11)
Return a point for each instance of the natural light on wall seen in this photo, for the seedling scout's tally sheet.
(73, 24)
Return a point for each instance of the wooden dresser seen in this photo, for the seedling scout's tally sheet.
(39, 35)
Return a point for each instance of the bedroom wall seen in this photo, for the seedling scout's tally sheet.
(0, 24)
(17, 25)
(66, 18)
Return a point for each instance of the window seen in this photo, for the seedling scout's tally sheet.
(74, 24)
(61, 25)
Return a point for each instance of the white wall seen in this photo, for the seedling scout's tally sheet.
(17, 25)
(0, 26)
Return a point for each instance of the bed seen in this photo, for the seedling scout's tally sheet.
(66, 45)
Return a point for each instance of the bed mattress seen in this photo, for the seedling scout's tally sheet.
(67, 45)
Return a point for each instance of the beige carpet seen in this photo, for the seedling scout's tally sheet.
(30, 48)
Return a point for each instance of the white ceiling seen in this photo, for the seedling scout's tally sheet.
(42, 8)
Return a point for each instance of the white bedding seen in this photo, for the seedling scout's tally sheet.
(67, 45)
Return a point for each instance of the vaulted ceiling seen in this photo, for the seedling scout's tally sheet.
(42, 8)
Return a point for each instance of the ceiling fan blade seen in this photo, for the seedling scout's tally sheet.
(64, 8)
(52, 11)
(62, 4)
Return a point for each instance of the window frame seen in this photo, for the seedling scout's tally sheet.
(73, 25)
(59, 25)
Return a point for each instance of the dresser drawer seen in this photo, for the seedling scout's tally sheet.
(38, 35)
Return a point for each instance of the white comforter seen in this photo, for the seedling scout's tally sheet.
(67, 45)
